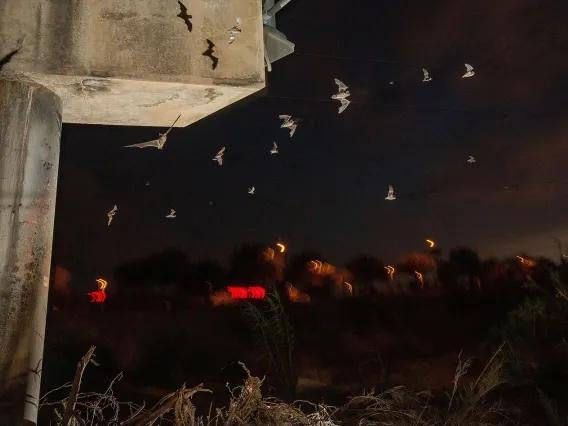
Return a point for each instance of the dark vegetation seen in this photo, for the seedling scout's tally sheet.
(471, 343)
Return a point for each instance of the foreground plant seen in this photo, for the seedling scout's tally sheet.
(274, 333)
(394, 407)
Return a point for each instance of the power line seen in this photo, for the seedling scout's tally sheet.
(400, 106)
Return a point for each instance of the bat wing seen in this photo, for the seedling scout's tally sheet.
(210, 45)
(8, 58)
(182, 8)
(215, 61)
(344, 104)
(293, 130)
(153, 143)
(172, 125)
(340, 85)
(468, 67)
(285, 117)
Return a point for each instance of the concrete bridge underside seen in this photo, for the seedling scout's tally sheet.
(114, 62)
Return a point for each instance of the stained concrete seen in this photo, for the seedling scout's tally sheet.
(30, 130)
(134, 62)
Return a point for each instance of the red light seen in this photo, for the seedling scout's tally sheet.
(256, 292)
(238, 292)
(97, 296)
(246, 293)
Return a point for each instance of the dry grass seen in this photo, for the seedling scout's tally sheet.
(395, 407)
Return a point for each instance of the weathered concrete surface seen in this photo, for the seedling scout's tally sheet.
(30, 130)
(134, 62)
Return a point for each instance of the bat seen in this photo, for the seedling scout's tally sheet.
(155, 143)
(274, 149)
(111, 214)
(184, 16)
(469, 71)
(209, 53)
(289, 123)
(342, 95)
(6, 59)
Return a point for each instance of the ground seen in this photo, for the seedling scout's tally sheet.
(348, 345)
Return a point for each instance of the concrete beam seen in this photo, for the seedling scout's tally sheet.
(30, 130)
(134, 62)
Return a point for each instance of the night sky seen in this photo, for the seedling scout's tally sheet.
(325, 189)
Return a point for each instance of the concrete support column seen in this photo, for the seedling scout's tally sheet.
(30, 131)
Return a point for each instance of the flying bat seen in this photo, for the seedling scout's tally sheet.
(390, 196)
(172, 214)
(427, 77)
(471, 159)
(209, 53)
(156, 143)
(184, 16)
(219, 157)
(289, 123)
(251, 190)
(6, 59)
(235, 30)
(111, 214)
(342, 95)
(469, 72)
(274, 149)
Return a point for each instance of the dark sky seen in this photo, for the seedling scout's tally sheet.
(326, 188)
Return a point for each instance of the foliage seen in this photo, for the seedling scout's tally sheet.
(274, 333)
(365, 270)
(248, 266)
(167, 267)
(550, 409)
(416, 261)
(247, 406)
(207, 271)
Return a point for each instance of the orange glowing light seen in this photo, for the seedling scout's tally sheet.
(102, 284)
(282, 247)
(349, 288)
(526, 262)
(296, 295)
(431, 243)
(390, 271)
(420, 278)
(317, 265)
(269, 253)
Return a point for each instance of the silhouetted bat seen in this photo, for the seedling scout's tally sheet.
(8, 58)
(209, 53)
(183, 15)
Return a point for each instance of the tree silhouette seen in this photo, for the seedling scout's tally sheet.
(416, 261)
(463, 264)
(206, 271)
(297, 271)
(167, 267)
(366, 269)
(247, 265)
